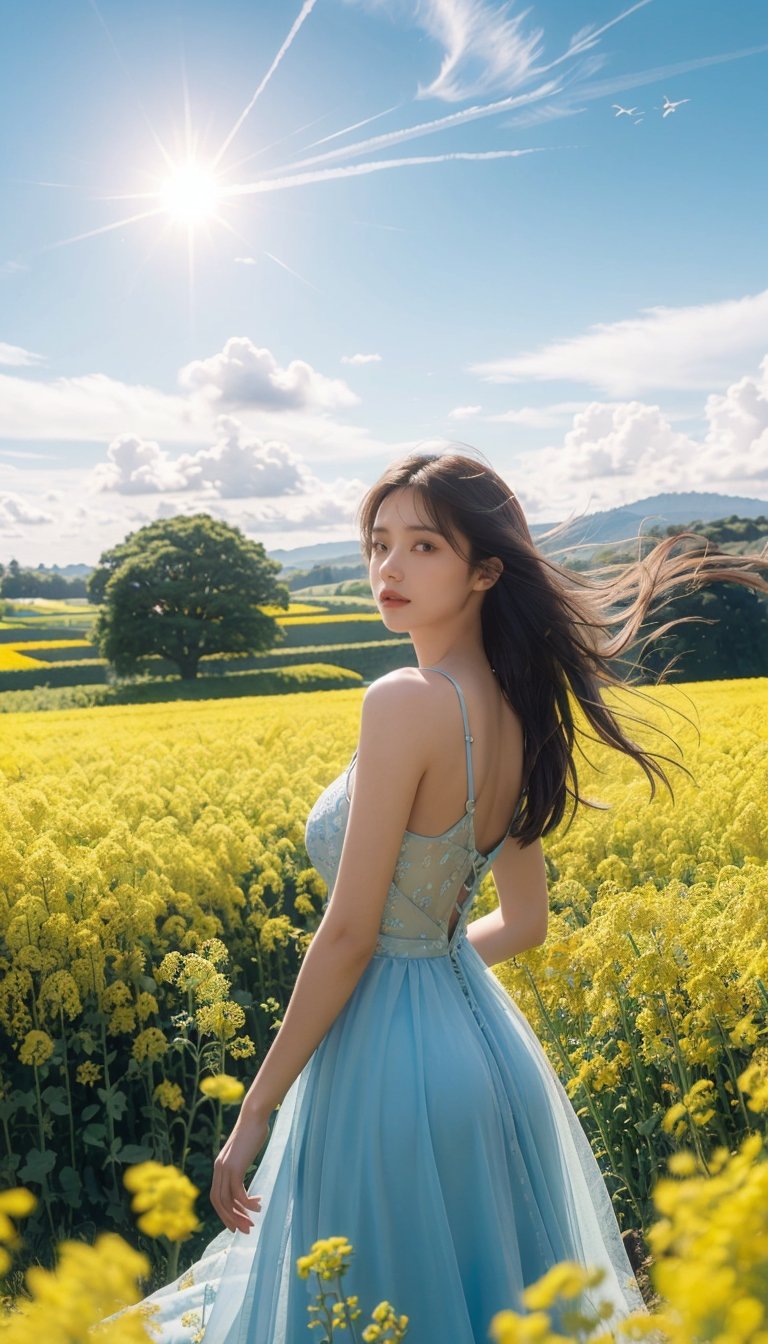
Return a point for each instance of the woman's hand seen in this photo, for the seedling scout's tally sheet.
(228, 1194)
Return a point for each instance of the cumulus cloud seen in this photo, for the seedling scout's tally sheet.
(615, 453)
(137, 466)
(14, 510)
(737, 438)
(609, 441)
(361, 359)
(692, 347)
(237, 466)
(243, 374)
(16, 355)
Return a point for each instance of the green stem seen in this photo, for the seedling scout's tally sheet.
(734, 1072)
(172, 1263)
(192, 1111)
(70, 1114)
(44, 1182)
(110, 1121)
(594, 1112)
(686, 1084)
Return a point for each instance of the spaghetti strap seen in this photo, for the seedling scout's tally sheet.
(468, 738)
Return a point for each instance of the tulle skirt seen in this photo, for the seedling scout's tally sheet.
(430, 1129)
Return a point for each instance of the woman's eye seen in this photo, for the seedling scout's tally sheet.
(374, 544)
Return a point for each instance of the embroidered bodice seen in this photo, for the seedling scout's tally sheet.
(434, 874)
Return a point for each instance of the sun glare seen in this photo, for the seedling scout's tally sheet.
(191, 194)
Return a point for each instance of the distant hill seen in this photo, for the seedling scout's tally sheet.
(662, 511)
(609, 525)
(606, 526)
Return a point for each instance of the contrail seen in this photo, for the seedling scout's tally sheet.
(430, 127)
(358, 169)
(306, 10)
(356, 125)
(292, 272)
(586, 38)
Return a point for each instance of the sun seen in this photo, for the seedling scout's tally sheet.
(192, 193)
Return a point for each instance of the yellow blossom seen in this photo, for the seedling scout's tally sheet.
(149, 1044)
(165, 1198)
(222, 1087)
(36, 1048)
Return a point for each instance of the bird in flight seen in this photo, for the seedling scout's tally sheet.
(627, 111)
(670, 106)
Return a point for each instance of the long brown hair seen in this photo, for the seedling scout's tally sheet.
(548, 631)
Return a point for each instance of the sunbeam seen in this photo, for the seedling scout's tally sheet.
(306, 10)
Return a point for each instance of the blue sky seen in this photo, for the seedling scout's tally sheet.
(580, 295)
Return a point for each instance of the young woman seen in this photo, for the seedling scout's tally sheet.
(418, 1113)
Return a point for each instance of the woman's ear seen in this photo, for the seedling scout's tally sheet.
(491, 569)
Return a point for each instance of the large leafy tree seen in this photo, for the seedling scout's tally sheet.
(735, 644)
(183, 587)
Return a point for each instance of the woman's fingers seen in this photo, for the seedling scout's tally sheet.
(233, 1205)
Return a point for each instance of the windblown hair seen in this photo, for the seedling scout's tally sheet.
(553, 636)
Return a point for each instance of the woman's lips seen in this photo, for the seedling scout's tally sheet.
(395, 601)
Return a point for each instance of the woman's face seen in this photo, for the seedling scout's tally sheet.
(409, 557)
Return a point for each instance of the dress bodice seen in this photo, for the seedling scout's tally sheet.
(434, 874)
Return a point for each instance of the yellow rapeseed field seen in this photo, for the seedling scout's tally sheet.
(157, 898)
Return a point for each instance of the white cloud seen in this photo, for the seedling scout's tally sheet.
(16, 356)
(236, 467)
(245, 261)
(91, 407)
(361, 359)
(484, 50)
(136, 466)
(684, 348)
(537, 417)
(94, 408)
(615, 453)
(244, 374)
(14, 509)
(737, 439)
(464, 412)
(607, 441)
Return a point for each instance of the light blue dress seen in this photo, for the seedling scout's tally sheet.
(428, 1127)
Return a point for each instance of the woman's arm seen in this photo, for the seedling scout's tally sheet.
(495, 943)
(329, 972)
(520, 921)
(389, 766)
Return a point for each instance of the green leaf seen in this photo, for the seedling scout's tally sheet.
(71, 1187)
(115, 1101)
(136, 1152)
(648, 1125)
(24, 1100)
(94, 1135)
(55, 1099)
(38, 1165)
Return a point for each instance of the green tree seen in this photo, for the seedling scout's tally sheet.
(183, 587)
(734, 645)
